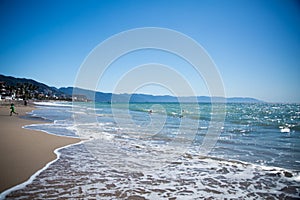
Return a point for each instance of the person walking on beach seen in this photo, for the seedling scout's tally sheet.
(12, 109)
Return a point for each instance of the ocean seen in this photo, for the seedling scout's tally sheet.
(169, 151)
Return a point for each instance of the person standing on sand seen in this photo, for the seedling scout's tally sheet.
(12, 109)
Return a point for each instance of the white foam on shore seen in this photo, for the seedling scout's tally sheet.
(53, 104)
(297, 178)
(189, 177)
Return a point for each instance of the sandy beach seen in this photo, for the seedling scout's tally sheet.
(23, 151)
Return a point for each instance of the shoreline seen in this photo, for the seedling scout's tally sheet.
(74, 174)
(24, 152)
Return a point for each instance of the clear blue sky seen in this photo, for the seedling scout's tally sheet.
(255, 44)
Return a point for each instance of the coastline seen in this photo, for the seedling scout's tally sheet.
(77, 174)
(24, 152)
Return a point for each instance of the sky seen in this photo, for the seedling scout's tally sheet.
(255, 45)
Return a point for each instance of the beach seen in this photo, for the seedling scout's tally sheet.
(24, 151)
(253, 158)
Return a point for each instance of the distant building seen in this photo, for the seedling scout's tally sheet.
(78, 97)
(8, 98)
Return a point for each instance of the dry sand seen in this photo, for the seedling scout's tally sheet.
(23, 151)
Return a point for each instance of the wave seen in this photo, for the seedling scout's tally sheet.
(78, 175)
(53, 104)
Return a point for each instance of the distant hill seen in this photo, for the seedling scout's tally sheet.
(67, 92)
(243, 100)
(39, 87)
(108, 97)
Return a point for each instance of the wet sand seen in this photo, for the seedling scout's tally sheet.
(23, 151)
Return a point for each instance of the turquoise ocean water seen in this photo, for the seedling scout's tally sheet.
(151, 151)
